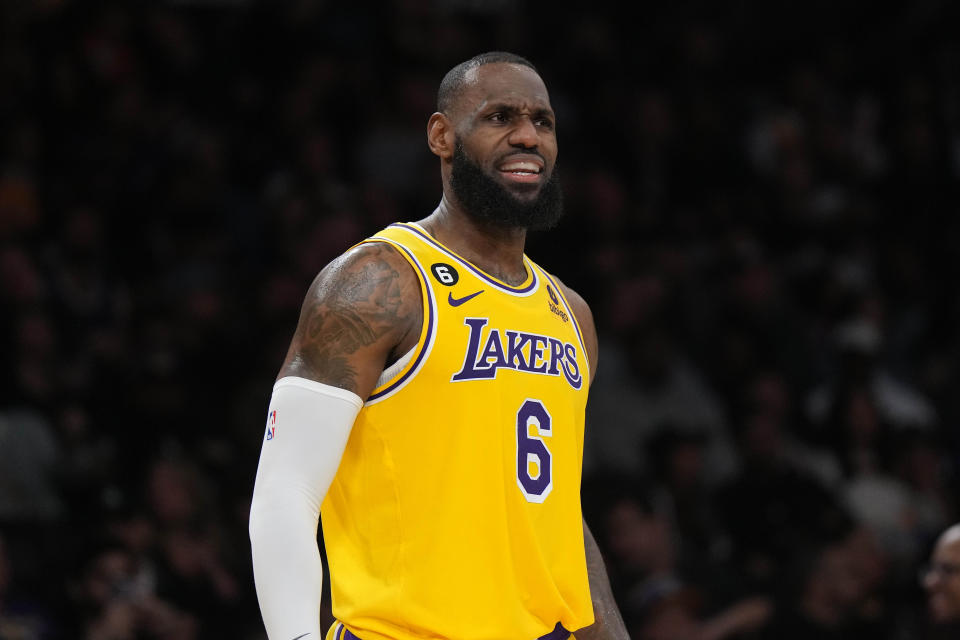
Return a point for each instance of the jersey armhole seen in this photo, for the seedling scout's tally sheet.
(573, 317)
(397, 375)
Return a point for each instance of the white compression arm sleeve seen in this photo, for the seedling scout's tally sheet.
(307, 428)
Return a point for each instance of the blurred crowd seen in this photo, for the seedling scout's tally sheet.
(761, 209)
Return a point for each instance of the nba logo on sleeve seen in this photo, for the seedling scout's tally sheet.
(271, 424)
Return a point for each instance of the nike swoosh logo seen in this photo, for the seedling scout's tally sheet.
(301, 636)
(456, 302)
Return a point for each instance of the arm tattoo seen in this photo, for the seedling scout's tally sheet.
(352, 308)
(607, 624)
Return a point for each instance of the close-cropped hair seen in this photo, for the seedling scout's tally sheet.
(453, 83)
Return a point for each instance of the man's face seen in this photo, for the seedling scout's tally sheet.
(504, 165)
(942, 580)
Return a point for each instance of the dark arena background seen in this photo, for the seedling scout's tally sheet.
(762, 210)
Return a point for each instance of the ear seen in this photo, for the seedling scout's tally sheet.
(440, 136)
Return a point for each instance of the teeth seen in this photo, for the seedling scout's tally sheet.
(522, 167)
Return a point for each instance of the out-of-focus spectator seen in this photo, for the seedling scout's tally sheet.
(636, 540)
(835, 588)
(769, 403)
(193, 570)
(862, 384)
(676, 615)
(826, 593)
(30, 453)
(773, 505)
(902, 500)
(941, 579)
(646, 383)
(658, 599)
(114, 602)
(679, 491)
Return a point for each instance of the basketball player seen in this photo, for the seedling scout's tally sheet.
(431, 408)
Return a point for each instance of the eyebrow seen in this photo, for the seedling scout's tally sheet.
(537, 112)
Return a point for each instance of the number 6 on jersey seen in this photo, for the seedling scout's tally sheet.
(533, 457)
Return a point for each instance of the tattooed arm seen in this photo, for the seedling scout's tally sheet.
(362, 312)
(607, 625)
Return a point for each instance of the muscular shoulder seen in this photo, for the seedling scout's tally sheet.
(585, 319)
(359, 310)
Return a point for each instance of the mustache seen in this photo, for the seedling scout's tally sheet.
(523, 152)
(534, 151)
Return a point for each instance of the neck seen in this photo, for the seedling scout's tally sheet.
(494, 249)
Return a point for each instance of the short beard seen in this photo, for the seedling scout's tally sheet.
(486, 200)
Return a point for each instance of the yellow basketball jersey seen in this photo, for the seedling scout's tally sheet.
(455, 512)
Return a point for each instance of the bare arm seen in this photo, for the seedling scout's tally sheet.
(608, 624)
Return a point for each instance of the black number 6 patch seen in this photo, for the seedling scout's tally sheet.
(444, 273)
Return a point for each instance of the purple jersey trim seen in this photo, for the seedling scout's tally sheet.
(428, 340)
(480, 274)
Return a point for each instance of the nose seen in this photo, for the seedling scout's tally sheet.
(524, 134)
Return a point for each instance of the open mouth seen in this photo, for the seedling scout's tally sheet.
(522, 170)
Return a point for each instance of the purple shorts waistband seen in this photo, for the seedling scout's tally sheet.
(558, 633)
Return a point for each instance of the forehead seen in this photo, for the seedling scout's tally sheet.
(507, 83)
(948, 547)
